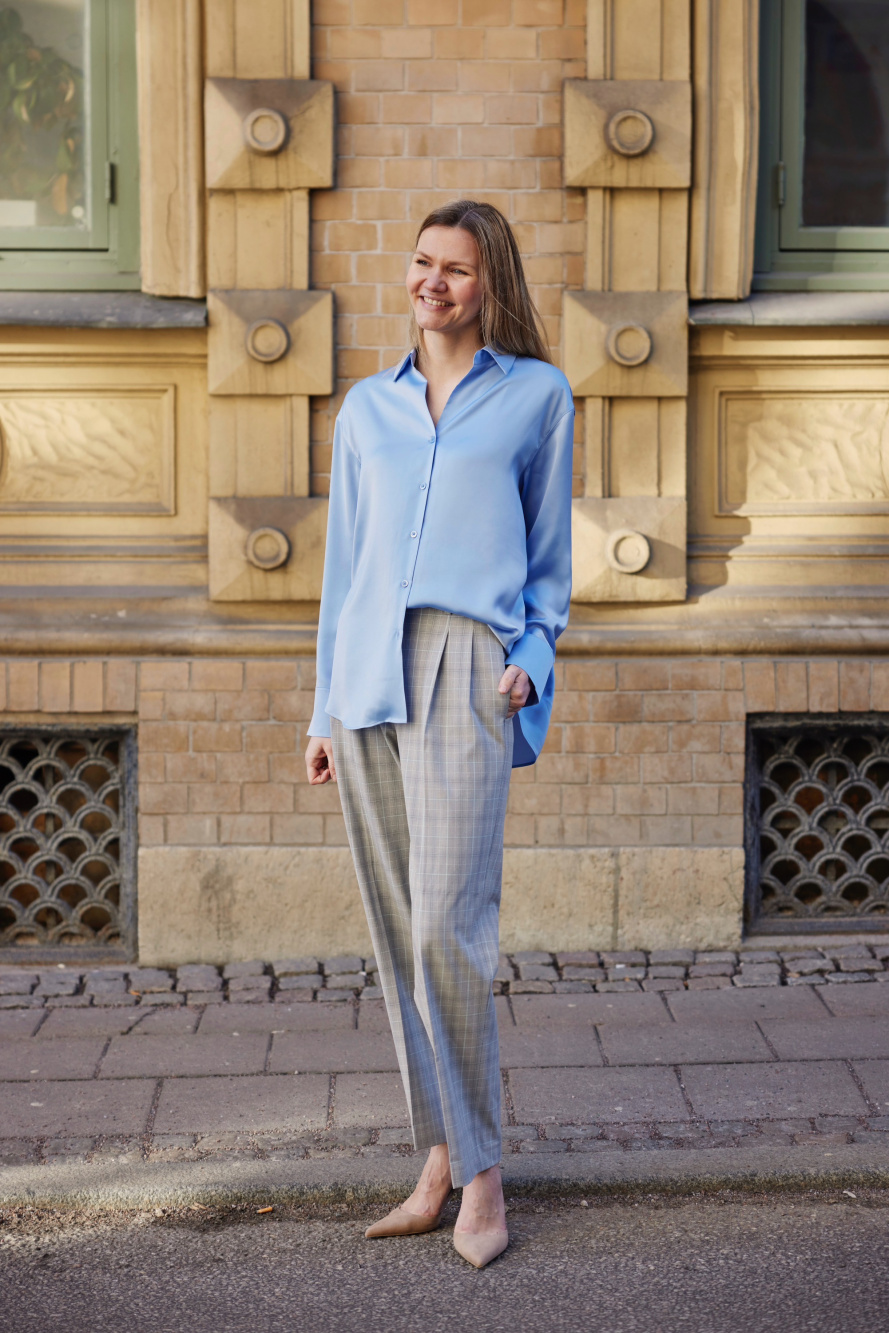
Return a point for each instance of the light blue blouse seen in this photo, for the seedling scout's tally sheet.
(471, 517)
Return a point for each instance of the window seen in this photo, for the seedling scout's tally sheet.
(823, 221)
(69, 171)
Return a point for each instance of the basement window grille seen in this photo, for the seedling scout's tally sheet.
(67, 842)
(817, 824)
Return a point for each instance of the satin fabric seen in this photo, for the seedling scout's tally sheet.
(472, 517)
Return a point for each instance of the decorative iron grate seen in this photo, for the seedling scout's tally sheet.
(67, 808)
(817, 816)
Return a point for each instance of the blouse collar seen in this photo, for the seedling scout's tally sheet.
(504, 360)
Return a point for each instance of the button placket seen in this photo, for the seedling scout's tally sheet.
(415, 532)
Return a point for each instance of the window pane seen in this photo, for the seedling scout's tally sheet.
(43, 107)
(846, 158)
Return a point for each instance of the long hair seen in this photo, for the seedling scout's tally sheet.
(508, 319)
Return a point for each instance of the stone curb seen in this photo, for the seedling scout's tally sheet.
(104, 1188)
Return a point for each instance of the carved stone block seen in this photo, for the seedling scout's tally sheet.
(609, 539)
(269, 134)
(626, 344)
(628, 133)
(802, 453)
(268, 342)
(267, 550)
(100, 453)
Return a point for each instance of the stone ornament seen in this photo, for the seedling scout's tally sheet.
(129, 438)
(267, 340)
(269, 134)
(265, 130)
(268, 548)
(614, 562)
(630, 133)
(270, 342)
(627, 551)
(628, 344)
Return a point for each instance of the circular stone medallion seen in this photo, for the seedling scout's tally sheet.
(265, 130)
(267, 548)
(267, 340)
(627, 551)
(629, 133)
(628, 344)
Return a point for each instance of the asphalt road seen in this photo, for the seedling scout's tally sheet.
(736, 1266)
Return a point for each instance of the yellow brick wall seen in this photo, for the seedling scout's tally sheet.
(641, 752)
(438, 99)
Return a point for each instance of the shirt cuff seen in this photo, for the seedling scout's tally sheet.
(320, 723)
(533, 654)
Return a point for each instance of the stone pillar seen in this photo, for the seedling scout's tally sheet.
(269, 140)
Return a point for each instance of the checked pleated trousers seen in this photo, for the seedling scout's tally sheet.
(424, 803)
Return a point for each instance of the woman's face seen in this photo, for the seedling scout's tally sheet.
(443, 280)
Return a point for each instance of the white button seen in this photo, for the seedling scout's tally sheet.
(432, 439)
(404, 583)
(413, 534)
(422, 485)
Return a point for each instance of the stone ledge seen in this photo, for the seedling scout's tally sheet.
(794, 310)
(101, 310)
(42, 622)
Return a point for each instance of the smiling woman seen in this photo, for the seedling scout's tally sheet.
(446, 584)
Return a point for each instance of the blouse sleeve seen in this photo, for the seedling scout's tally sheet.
(344, 473)
(546, 501)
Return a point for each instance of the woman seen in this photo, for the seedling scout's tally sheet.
(446, 584)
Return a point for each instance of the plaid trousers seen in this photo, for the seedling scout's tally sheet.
(424, 803)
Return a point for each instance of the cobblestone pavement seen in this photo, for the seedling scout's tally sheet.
(347, 977)
(294, 1059)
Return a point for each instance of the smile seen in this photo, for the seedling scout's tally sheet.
(436, 305)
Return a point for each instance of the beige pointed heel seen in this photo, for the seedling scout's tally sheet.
(479, 1250)
(402, 1223)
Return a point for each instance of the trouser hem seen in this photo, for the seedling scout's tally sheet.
(462, 1173)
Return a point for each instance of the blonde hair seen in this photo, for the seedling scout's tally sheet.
(508, 319)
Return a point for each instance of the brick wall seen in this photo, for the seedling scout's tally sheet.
(220, 743)
(641, 752)
(651, 752)
(438, 99)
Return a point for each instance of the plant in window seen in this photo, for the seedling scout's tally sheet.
(41, 126)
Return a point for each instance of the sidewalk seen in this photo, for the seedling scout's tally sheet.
(783, 1076)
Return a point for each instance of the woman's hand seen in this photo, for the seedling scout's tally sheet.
(517, 684)
(319, 760)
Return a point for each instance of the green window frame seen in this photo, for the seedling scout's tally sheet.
(104, 255)
(789, 256)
